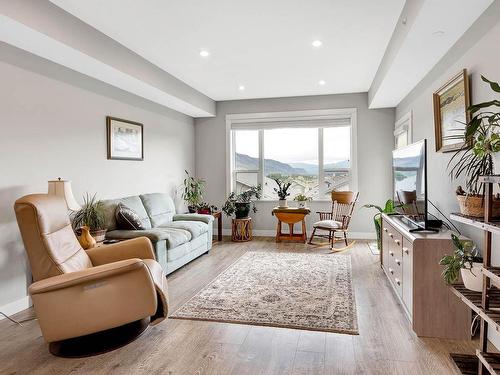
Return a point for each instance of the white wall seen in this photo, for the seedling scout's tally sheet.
(478, 51)
(53, 125)
(375, 141)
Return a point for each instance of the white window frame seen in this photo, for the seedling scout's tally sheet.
(404, 124)
(310, 118)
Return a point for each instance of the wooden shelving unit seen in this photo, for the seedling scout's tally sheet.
(486, 303)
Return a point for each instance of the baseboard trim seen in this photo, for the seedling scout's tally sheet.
(272, 233)
(15, 306)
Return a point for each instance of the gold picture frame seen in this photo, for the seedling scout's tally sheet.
(451, 102)
(125, 139)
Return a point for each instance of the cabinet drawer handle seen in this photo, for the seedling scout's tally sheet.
(405, 249)
(385, 229)
(398, 262)
(391, 253)
(391, 271)
(391, 235)
(397, 281)
(397, 242)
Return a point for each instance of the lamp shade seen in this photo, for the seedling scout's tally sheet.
(62, 188)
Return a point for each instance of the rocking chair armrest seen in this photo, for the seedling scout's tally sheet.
(345, 221)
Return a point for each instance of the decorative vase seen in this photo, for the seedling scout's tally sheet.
(86, 240)
(302, 204)
(192, 209)
(473, 279)
(242, 210)
(282, 203)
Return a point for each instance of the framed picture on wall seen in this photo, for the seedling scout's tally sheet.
(450, 112)
(125, 139)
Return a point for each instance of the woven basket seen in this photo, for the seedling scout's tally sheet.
(474, 205)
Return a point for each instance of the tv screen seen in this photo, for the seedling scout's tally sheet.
(410, 185)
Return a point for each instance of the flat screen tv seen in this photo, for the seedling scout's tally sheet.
(409, 168)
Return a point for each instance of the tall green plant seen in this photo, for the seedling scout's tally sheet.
(91, 214)
(389, 208)
(482, 133)
(193, 190)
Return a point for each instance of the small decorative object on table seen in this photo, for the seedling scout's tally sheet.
(291, 216)
(91, 215)
(302, 199)
(282, 190)
(241, 230)
(85, 239)
(206, 208)
(193, 192)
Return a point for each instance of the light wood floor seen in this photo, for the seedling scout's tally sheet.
(385, 345)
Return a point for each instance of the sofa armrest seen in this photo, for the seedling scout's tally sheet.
(207, 219)
(140, 247)
(67, 280)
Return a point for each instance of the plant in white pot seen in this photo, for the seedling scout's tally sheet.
(465, 260)
(282, 190)
(302, 199)
(479, 155)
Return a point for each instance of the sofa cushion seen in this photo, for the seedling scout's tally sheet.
(159, 207)
(207, 219)
(196, 228)
(109, 213)
(127, 218)
(173, 236)
(135, 203)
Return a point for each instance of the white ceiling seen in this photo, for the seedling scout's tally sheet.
(264, 45)
(429, 37)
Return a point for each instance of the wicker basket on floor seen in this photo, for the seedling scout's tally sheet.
(473, 205)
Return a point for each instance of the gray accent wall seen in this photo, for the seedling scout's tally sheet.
(375, 143)
(53, 125)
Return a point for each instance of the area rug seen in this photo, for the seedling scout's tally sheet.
(292, 290)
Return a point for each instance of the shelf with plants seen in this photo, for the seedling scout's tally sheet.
(478, 206)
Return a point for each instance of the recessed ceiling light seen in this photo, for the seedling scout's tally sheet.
(317, 43)
(438, 33)
(241, 87)
(204, 53)
(322, 83)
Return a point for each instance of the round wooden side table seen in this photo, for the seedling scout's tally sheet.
(241, 230)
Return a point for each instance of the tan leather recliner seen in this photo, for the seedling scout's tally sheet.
(77, 292)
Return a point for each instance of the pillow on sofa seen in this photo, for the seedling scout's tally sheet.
(126, 218)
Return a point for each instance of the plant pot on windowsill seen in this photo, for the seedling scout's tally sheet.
(242, 209)
(473, 205)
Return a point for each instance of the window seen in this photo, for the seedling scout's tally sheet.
(402, 131)
(315, 155)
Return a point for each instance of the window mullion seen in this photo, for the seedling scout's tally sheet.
(260, 177)
(321, 169)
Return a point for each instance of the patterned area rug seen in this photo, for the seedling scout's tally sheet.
(292, 290)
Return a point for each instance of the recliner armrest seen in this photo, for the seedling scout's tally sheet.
(140, 247)
(90, 274)
(207, 219)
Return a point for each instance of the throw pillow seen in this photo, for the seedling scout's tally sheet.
(126, 218)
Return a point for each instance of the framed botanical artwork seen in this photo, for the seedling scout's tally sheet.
(450, 112)
(125, 139)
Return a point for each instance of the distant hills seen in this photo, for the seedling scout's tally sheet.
(273, 166)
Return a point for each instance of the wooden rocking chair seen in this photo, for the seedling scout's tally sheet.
(338, 219)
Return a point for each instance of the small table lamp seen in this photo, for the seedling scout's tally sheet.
(62, 188)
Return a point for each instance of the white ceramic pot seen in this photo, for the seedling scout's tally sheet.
(302, 204)
(496, 163)
(283, 203)
(473, 279)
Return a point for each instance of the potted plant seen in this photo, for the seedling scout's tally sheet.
(389, 209)
(302, 199)
(482, 133)
(466, 261)
(206, 208)
(91, 215)
(282, 190)
(240, 204)
(193, 192)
